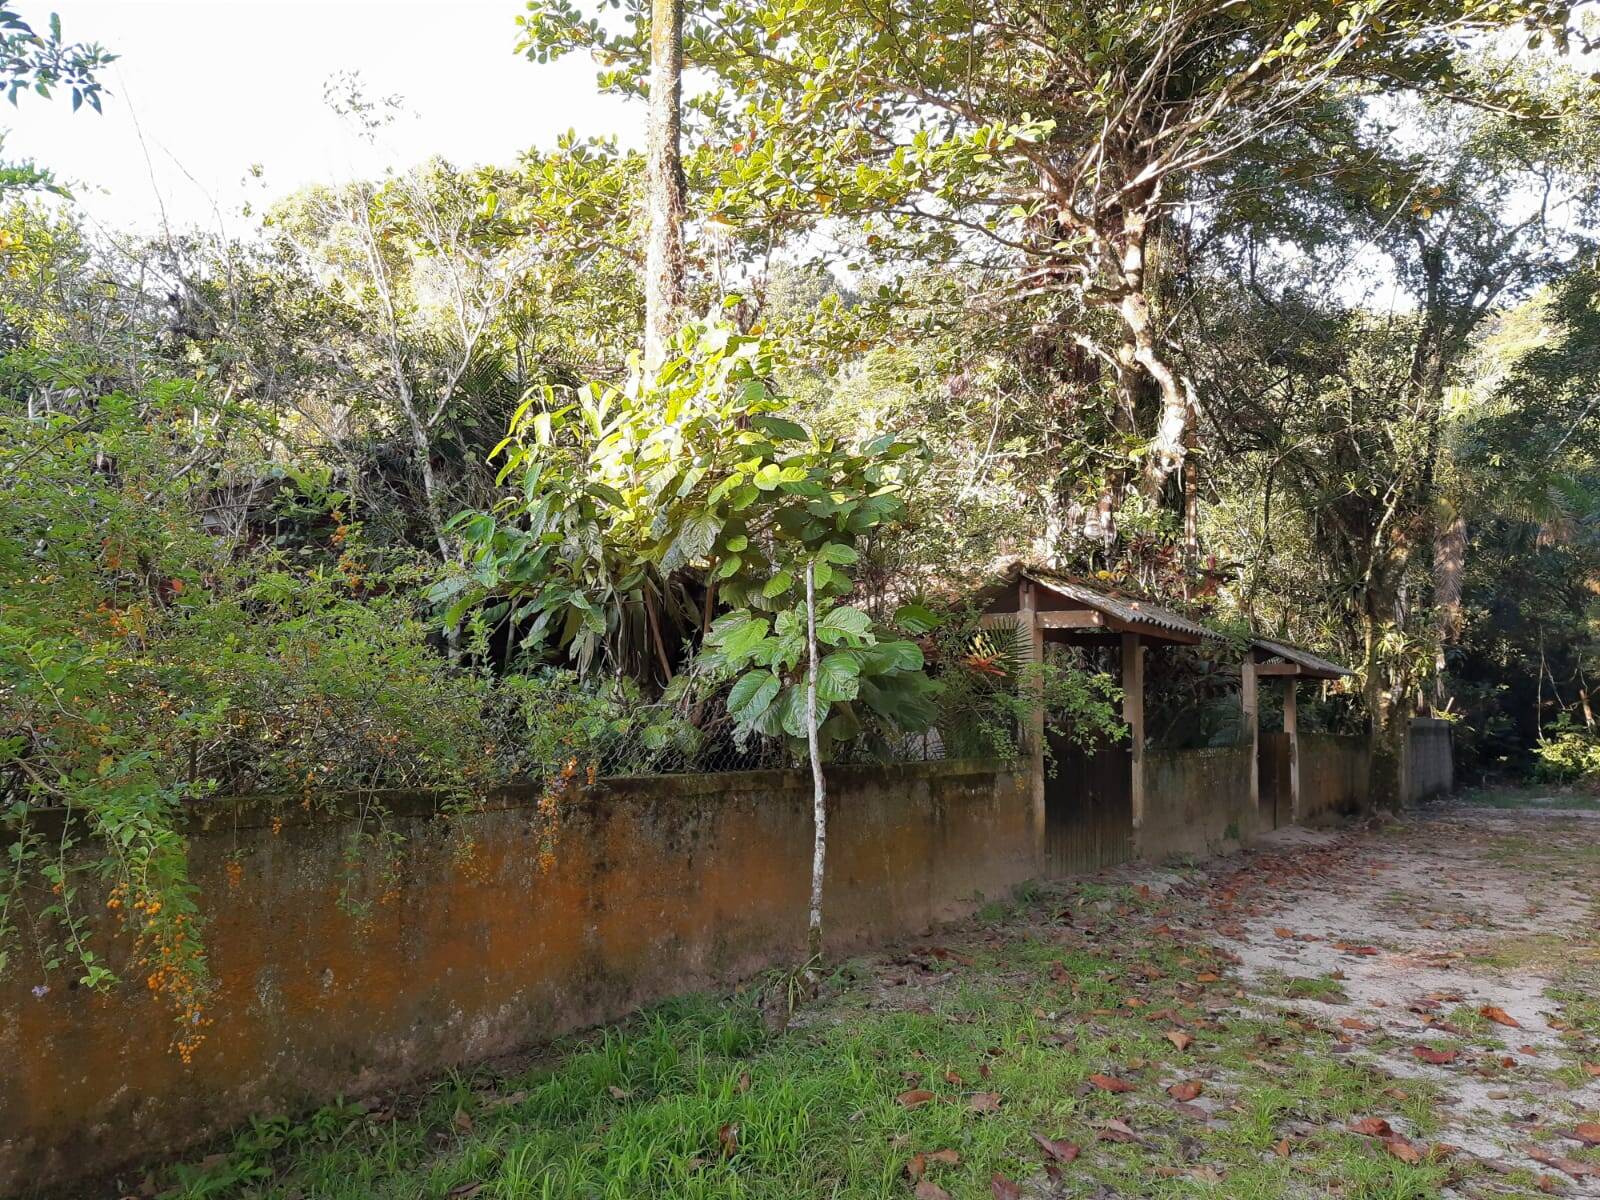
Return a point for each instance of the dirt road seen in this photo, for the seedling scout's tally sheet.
(1456, 948)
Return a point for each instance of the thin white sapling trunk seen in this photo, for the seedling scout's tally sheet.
(819, 801)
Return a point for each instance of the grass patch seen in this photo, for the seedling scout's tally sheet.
(697, 1100)
(1529, 797)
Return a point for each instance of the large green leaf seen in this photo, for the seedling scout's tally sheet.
(886, 657)
(838, 676)
(738, 635)
(914, 618)
(842, 622)
(777, 427)
(793, 708)
(752, 696)
(694, 540)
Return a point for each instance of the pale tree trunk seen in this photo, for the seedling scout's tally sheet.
(664, 263)
(1191, 500)
(1387, 710)
(819, 795)
(1449, 564)
(1170, 444)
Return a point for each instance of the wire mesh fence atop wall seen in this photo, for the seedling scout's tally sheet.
(662, 739)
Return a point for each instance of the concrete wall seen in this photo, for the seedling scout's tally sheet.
(1196, 802)
(1427, 769)
(1334, 774)
(658, 886)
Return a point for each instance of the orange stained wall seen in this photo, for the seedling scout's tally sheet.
(470, 949)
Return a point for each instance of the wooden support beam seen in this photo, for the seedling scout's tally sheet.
(1250, 712)
(1071, 618)
(1291, 727)
(1279, 669)
(1133, 714)
(1033, 736)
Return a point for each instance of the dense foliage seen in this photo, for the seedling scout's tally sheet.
(1284, 312)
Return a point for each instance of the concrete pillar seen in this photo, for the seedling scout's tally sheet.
(1133, 714)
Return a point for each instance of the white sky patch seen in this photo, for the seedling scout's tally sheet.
(204, 89)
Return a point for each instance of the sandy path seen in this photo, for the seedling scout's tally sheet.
(1404, 935)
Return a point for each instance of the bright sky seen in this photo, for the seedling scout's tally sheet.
(206, 88)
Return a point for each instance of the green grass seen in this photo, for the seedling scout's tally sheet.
(1530, 797)
(698, 1101)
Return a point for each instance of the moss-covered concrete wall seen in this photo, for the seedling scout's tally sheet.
(1429, 769)
(1334, 774)
(472, 948)
(1196, 802)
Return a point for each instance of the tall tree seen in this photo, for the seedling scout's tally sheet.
(1042, 145)
(1350, 406)
(664, 263)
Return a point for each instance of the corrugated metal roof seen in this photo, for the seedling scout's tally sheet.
(1122, 608)
(1314, 663)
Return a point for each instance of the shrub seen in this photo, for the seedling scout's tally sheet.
(1567, 754)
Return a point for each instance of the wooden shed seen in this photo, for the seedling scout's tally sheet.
(1279, 755)
(1123, 801)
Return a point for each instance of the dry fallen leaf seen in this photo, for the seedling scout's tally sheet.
(1281, 1149)
(1003, 1189)
(1437, 1057)
(984, 1102)
(1180, 1039)
(915, 1098)
(1372, 1127)
(1116, 1130)
(462, 1121)
(1499, 1016)
(1403, 1150)
(1061, 1151)
(927, 1189)
(728, 1135)
(1571, 1166)
(1110, 1083)
(1186, 1090)
(1588, 1133)
(464, 1191)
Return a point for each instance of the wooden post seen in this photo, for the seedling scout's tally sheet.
(1250, 706)
(1291, 727)
(1133, 714)
(1028, 619)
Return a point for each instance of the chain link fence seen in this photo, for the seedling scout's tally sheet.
(662, 739)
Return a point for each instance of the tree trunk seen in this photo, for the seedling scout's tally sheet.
(1386, 726)
(1191, 500)
(664, 263)
(422, 453)
(819, 795)
(1449, 564)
